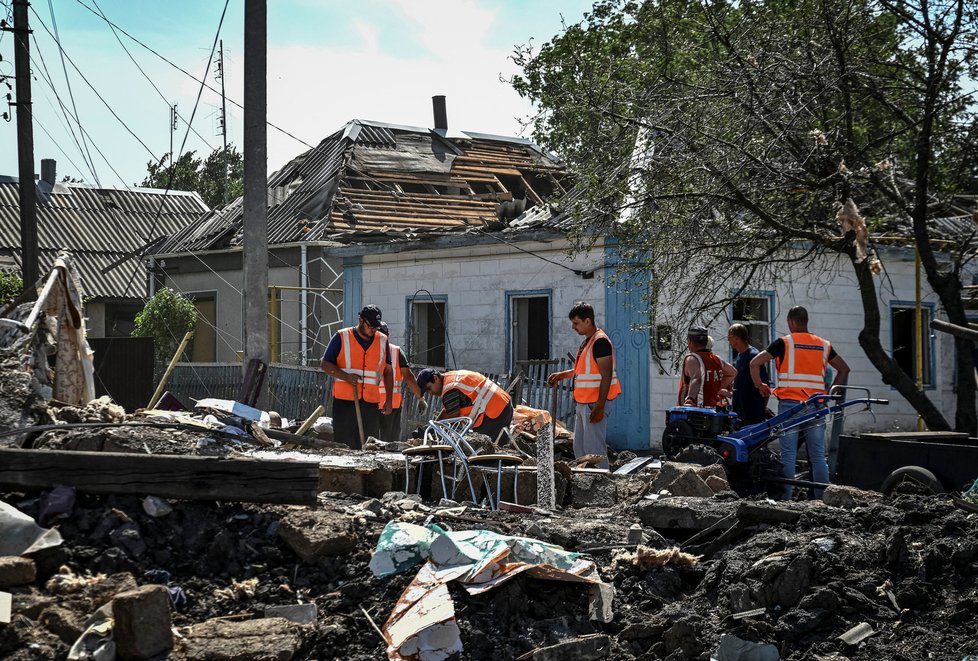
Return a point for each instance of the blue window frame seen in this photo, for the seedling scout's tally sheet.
(902, 332)
(529, 325)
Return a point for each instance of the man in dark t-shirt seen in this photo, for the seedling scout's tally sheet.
(747, 401)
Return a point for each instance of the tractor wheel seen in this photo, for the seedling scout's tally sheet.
(919, 479)
(678, 434)
(700, 455)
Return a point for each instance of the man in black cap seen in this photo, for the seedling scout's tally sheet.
(705, 378)
(466, 393)
(359, 361)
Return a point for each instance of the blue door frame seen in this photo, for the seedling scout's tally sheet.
(626, 323)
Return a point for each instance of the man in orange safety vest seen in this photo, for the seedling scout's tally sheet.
(465, 393)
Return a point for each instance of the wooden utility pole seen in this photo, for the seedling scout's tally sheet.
(255, 257)
(25, 147)
(224, 121)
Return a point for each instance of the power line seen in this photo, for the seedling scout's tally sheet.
(46, 76)
(187, 73)
(146, 76)
(71, 94)
(92, 87)
(173, 162)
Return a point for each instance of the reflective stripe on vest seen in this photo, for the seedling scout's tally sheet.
(801, 372)
(396, 367)
(487, 398)
(587, 374)
(367, 364)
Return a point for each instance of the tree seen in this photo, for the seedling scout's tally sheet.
(725, 139)
(205, 176)
(166, 317)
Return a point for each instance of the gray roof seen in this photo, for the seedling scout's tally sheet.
(371, 181)
(99, 226)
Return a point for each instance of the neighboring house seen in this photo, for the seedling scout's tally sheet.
(451, 236)
(103, 228)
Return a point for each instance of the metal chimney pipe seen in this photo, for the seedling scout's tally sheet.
(49, 170)
(441, 114)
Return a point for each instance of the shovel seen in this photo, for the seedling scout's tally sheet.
(356, 404)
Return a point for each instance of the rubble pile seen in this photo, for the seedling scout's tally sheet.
(297, 579)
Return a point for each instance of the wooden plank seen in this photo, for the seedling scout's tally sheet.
(167, 476)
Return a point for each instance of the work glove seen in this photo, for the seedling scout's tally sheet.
(422, 406)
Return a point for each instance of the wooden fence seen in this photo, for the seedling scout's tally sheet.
(295, 391)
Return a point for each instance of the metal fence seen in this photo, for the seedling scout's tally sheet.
(295, 391)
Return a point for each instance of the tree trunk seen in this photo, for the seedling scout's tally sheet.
(890, 371)
(965, 418)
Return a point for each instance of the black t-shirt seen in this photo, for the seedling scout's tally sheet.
(776, 349)
(455, 400)
(600, 349)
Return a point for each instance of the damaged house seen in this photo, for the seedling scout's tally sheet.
(104, 228)
(448, 232)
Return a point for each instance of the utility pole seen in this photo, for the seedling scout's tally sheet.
(255, 256)
(224, 120)
(25, 147)
(173, 129)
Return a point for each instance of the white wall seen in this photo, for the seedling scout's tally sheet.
(476, 280)
(835, 313)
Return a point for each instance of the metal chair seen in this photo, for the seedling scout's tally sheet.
(429, 452)
(452, 431)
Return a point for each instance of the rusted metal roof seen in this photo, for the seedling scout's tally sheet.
(99, 226)
(371, 181)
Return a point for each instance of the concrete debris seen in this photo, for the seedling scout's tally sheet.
(592, 489)
(857, 634)
(838, 495)
(142, 622)
(313, 535)
(156, 507)
(15, 571)
(252, 640)
(733, 648)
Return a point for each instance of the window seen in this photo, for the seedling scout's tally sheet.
(529, 327)
(120, 319)
(904, 329)
(427, 333)
(754, 312)
(204, 345)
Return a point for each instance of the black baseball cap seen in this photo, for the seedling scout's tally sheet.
(372, 315)
(425, 376)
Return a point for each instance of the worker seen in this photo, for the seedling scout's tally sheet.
(595, 384)
(390, 425)
(801, 359)
(747, 401)
(470, 394)
(705, 378)
(358, 359)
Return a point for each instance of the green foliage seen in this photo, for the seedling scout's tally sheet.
(11, 285)
(205, 176)
(167, 317)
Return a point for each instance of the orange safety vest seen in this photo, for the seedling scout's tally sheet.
(801, 372)
(487, 398)
(367, 364)
(587, 375)
(711, 376)
(396, 367)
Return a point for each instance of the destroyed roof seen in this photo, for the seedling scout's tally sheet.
(371, 181)
(100, 226)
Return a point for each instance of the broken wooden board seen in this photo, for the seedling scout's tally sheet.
(167, 476)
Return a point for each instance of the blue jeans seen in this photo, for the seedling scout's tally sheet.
(814, 441)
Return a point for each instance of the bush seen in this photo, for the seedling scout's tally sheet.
(11, 285)
(167, 317)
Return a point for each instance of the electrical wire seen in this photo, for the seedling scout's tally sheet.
(71, 94)
(434, 304)
(147, 77)
(187, 73)
(183, 144)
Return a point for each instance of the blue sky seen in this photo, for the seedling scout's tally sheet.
(329, 61)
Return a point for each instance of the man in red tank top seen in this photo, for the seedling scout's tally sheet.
(706, 379)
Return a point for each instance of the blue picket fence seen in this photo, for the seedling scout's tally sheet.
(295, 391)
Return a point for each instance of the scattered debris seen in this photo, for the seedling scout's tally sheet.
(646, 558)
(733, 648)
